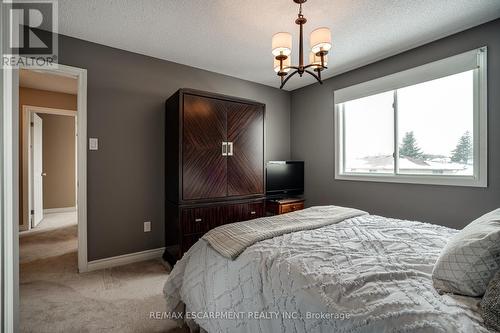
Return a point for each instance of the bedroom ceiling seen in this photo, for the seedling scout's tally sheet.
(233, 37)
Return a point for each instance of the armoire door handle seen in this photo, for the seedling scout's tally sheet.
(230, 149)
(224, 148)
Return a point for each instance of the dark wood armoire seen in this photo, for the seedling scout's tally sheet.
(214, 164)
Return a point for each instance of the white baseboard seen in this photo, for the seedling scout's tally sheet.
(124, 259)
(59, 210)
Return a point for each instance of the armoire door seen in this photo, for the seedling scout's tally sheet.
(245, 161)
(204, 172)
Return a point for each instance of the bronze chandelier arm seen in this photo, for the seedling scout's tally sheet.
(315, 76)
(288, 78)
(314, 65)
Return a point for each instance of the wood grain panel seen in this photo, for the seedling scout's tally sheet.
(172, 148)
(245, 129)
(244, 211)
(201, 219)
(204, 130)
(256, 210)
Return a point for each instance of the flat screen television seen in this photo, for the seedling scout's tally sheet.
(284, 178)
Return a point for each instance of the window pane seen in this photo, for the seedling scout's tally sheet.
(369, 134)
(435, 126)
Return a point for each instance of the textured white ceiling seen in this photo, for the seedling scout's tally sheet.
(233, 37)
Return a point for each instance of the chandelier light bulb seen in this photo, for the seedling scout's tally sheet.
(286, 65)
(316, 59)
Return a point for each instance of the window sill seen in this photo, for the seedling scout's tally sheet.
(466, 181)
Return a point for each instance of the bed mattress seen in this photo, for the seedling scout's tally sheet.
(364, 274)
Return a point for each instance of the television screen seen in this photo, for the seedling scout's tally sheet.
(285, 177)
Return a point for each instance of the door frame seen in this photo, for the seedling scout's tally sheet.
(27, 110)
(10, 191)
(10, 201)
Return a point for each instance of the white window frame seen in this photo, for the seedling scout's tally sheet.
(427, 72)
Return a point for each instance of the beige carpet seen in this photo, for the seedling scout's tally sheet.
(52, 221)
(55, 298)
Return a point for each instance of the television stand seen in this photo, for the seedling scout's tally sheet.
(284, 205)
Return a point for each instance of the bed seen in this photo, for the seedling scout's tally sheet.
(363, 274)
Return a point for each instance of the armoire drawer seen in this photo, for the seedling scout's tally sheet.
(256, 210)
(201, 219)
(245, 211)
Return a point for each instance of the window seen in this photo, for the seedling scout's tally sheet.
(426, 125)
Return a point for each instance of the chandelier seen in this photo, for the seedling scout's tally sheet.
(320, 42)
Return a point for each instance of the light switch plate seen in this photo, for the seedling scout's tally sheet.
(93, 144)
(147, 226)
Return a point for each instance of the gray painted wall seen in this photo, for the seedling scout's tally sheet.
(312, 139)
(126, 95)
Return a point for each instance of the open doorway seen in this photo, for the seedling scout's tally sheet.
(51, 165)
(48, 106)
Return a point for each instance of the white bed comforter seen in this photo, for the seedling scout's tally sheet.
(365, 274)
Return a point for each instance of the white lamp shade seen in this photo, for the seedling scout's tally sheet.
(286, 63)
(316, 60)
(282, 43)
(321, 40)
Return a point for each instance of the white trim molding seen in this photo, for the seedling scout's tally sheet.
(39, 109)
(125, 259)
(10, 186)
(10, 202)
(59, 210)
(81, 132)
(475, 60)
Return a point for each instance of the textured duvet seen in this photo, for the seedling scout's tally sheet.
(364, 274)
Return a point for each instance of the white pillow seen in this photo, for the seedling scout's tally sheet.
(471, 258)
